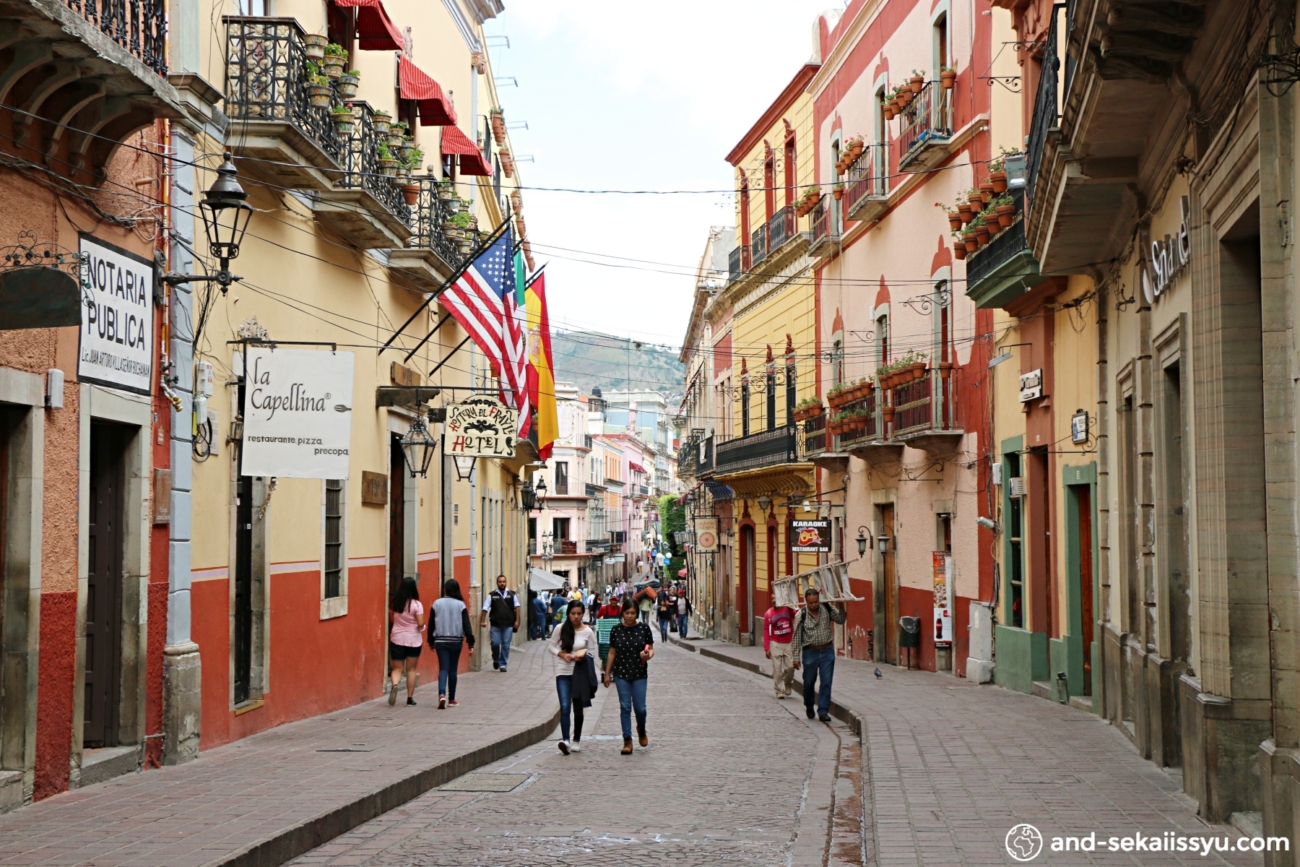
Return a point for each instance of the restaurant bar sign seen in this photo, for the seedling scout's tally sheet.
(117, 322)
(481, 427)
(810, 537)
(297, 413)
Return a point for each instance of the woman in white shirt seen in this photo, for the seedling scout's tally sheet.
(570, 642)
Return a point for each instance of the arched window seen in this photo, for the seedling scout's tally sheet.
(791, 178)
(745, 253)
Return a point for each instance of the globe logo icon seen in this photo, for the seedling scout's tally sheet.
(1024, 843)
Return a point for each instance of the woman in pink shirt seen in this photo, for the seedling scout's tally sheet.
(405, 641)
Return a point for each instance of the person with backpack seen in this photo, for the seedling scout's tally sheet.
(778, 630)
(451, 629)
(572, 644)
(502, 607)
(405, 640)
(665, 615)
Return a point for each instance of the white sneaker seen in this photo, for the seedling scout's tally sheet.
(575, 747)
(564, 747)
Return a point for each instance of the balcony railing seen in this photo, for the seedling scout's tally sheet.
(266, 80)
(568, 548)
(866, 418)
(926, 405)
(593, 490)
(758, 245)
(781, 228)
(431, 215)
(139, 26)
(824, 228)
(927, 122)
(767, 449)
(816, 440)
(1046, 112)
(1004, 268)
(361, 165)
(867, 182)
(733, 265)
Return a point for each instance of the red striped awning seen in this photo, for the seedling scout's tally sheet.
(376, 31)
(635, 467)
(455, 142)
(435, 108)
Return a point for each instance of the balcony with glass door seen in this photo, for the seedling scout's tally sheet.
(825, 226)
(866, 185)
(925, 139)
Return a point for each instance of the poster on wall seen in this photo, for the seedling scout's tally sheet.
(481, 427)
(810, 537)
(706, 535)
(942, 599)
(297, 413)
(117, 340)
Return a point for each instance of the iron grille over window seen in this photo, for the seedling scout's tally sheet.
(333, 537)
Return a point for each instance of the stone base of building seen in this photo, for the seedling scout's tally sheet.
(182, 703)
(1280, 772)
(1221, 740)
(979, 670)
(1022, 658)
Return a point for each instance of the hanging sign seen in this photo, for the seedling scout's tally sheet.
(297, 413)
(810, 537)
(942, 599)
(706, 535)
(481, 427)
(117, 340)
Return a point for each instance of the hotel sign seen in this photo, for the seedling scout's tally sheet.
(481, 427)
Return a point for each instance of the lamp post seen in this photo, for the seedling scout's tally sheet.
(528, 496)
(548, 550)
(226, 214)
(418, 446)
(882, 542)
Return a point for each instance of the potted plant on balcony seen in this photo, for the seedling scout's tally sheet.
(343, 120)
(507, 163)
(446, 190)
(958, 245)
(969, 239)
(319, 92)
(397, 134)
(838, 395)
(838, 191)
(991, 221)
(348, 83)
(856, 146)
(904, 95)
(498, 119)
(387, 162)
(981, 230)
(1005, 208)
(411, 162)
(976, 200)
(986, 191)
(953, 215)
(381, 120)
(809, 407)
(336, 57)
(948, 77)
(998, 175)
(314, 45)
(965, 211)
(917, 81)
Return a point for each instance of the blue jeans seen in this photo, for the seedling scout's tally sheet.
(682, 620)
(815, 663)
(631, 693)
(564, 687)
(500, 637)
(663, 628)
(448, 667)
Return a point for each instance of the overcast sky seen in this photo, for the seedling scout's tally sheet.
(633, 96)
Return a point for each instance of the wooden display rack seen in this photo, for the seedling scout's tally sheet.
(831, 581)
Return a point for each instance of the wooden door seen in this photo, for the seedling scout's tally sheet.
(745, 593)
(889, 578)
(243, 638)
(396, 515)
(1083, 503)
(104, 587)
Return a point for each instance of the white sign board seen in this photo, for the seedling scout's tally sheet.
(481, 427)
(297, 413)
(117, 331)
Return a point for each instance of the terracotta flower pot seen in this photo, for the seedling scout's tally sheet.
(972, 243)
(1006, 214)
(411, 193)
(976, 201)
(814, 198)
(838, 193)
(949, 78)
(993, 227)
(889, 111)
(999, 181)
(986, 191)
(855, 150)
(982, 235)
(959, 251)
(954, 221)
(917, 82)
(945, 369)
(905, 97)
(966, 212)
(888, 413)
(499, 129)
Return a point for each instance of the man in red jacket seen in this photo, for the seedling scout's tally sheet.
(778, 630)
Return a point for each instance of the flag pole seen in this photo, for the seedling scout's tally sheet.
(464, 266)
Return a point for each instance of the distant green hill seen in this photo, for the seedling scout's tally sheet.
(589, 359)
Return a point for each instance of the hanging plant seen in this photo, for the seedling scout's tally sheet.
(507, 163)
(947, 77)
(1004, 207)
(314, 45)
(917, 81)
(343, 120)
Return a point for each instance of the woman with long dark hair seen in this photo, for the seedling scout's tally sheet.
(571, 642)
(405, 640)
(631, 646)
(451, 629)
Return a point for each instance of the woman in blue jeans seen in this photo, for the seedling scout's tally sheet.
(571, 641)
(631, 646)
(449, 630)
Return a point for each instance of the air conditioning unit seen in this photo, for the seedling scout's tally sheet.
(1017, 486)
(997, 473)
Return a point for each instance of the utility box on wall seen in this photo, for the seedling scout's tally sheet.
(979, 665)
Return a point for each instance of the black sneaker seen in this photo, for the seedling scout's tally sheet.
(811, 712)
(410, 702)
(825, 717)
(496, 666)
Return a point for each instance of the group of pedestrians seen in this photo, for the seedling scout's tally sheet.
(804, 639)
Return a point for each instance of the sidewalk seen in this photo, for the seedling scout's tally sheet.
(951, 767)
(271, 797)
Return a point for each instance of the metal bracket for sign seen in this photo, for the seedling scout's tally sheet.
(831, 581)
(274, 343)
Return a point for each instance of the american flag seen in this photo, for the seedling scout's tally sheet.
(482, 301)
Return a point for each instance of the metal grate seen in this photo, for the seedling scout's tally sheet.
(139, 26)
(361, 165)
(780, 228)
(333, 537)
(867, 178)
(758, 244)
(431, 214)
(766, 449)
(1046, 112)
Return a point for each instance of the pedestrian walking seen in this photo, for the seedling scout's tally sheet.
(572, 643)
(814, 642)
(646, 596)
(537, 623)
(778, 630)
(593, 608)
(502, 608)
(557, 603)
(405, 641)
(684, 611)
(631, 646)
(451, 629)
(665, 615)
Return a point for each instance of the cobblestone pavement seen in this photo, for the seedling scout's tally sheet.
(270, 797)
(727, 778)
(953, 766)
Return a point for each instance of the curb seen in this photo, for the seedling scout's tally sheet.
(299, 839)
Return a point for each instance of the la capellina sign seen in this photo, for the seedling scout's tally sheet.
(297, 413)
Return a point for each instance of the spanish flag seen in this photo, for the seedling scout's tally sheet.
(541, 373)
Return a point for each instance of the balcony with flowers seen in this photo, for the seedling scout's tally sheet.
(925, 112)
(988, 230)
(866, 181)
(919, 404)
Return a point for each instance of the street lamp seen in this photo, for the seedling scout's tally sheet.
(417, 448)
(226, 214)
(528, 496)
(541, 494)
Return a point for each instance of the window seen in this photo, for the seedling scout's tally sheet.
(745, 252)
(882, 338)
(791, 181)
(837, 362)
(333, 538)
(789, 390)
(769, 184)
(771, 399)
(532, 529)
(561, 478)
(560, 529)
(259, 8)
(940, 32)
(744, 408)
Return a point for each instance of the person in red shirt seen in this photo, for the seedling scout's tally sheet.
(778, 630)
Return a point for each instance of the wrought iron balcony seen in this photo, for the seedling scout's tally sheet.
(1047, 113)
(139, 26)
(864, 424)
(925, 412)
(927, 128)
(825, 224)
(782, 228)
(432, 255)
(567, 548)
(816, 439)
(757, 451)
(365, 204)
(1004, 268)
(733, 265)
(866, 187)
(758, 245)
(272, 118)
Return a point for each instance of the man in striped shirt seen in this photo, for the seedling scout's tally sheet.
(814, 648)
